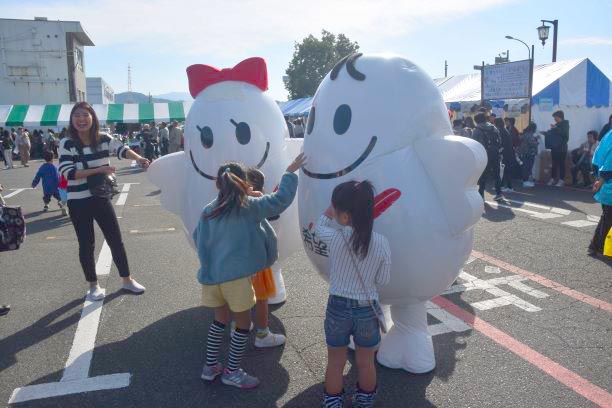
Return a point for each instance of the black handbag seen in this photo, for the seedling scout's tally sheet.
(12, 228)
(100, 185)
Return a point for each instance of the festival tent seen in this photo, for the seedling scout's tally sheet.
(296, 107)
(577, 87)
(39, 116)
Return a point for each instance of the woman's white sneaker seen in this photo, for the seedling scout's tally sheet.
(133, 287)
(94, 294)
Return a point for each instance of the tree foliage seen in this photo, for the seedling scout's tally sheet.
(312, 59)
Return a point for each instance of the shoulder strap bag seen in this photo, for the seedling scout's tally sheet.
(382, 322)
(100, 185)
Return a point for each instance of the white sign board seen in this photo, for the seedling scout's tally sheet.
(506, 81)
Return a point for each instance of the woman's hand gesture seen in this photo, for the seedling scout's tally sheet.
(299, 161)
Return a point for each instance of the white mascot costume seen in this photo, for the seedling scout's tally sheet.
(381, 118)
(231, 119)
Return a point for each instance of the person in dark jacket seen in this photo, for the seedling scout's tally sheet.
(50, 180)
(508, 155)
(489, 137)
(514, 132)
(7, 145)
(149, 143)
(558, 137)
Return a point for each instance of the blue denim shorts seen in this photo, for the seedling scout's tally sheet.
(345, 317)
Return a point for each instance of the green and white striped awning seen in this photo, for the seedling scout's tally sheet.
(35, 116)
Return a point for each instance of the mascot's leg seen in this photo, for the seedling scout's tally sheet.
(279, 283)
(408, 344)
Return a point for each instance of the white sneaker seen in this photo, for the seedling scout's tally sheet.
(134, 287)
(550, 182)
(271, 340)
(507, 190)
(95, 294)
(561, 183)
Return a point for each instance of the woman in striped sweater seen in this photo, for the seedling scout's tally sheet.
(84, 136)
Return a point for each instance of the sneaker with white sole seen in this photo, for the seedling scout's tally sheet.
(499, 197)
(560, 183)
(133, 287)
(550, 182)
(271, 340)
(239, 379)
(209, 373)
(95, 294)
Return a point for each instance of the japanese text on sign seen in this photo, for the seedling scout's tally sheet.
(506, 81)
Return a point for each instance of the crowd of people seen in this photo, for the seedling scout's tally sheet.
(296, 127)
(511, 153)
(21, 143)
(360, 259)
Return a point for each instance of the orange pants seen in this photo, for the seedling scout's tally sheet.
(263, 283)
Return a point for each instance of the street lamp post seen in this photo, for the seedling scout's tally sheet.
(543, 31)
(509, 37)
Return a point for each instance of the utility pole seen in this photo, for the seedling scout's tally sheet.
(445, 68)
(129, 98)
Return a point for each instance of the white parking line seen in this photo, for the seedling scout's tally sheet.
(535, 214)
(555, 210)
(17, 191)
(124, 193)
(580, 223)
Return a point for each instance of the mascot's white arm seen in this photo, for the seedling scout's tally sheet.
(168, 174)
(438, 156)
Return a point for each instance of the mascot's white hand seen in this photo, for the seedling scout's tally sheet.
(455, 185)
(168, 174)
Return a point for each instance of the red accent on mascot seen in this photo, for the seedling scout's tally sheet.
(252, 70)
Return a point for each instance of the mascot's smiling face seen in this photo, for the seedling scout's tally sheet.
(366, 107)
(232, 121)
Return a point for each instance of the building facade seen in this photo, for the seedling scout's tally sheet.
(42, 62)
(98, 91)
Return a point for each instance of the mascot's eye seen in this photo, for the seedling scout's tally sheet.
(206, 136)
(342, 119)
(243, 132)
(311, 120)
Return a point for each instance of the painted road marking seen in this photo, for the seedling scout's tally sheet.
(565, 376)
(535, 214)
(448, 322)
(594, 218)
(579, 223)
(597, 303)
(17, 191)
(76, 372)
(124, 194)
(152, 230)
(492, 269)
(541, 207)
(502, 298)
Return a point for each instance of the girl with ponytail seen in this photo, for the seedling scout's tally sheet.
(360, 259)
(232, 246)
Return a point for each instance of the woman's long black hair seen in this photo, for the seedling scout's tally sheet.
(357, 200)
(233, 190)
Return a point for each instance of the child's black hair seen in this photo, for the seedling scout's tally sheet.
(256, 179)
(357, 200)
(48, 156)
(233, 190)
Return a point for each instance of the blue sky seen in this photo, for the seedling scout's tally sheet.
(160, 38)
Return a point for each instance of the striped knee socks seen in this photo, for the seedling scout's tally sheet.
(213, 344)
(237, 349)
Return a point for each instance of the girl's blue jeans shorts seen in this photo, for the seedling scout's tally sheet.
(345, 317)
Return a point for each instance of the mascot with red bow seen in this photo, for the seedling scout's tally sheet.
(231, 119)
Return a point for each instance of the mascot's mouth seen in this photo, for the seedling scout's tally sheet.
(195, 166)
(346, 170)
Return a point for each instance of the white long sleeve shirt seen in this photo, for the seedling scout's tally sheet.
(375, 268)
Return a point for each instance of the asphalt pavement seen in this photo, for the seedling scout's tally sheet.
(528, 322)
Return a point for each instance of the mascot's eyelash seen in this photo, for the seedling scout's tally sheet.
(350, 68)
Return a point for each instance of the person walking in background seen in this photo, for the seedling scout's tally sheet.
(298, 129)
(582, 157)
(6, 142)
(23, 145)
(605, 129)
(557, 139)
(489, 137)
(508, 156)
(602, 163)
(510, 124)
(528, 150)
(155, 138)
(149, 144)
(175, 136)
(50, 181)
(289, 127)
(164, 138)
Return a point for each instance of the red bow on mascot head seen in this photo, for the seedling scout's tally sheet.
(252, 71)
